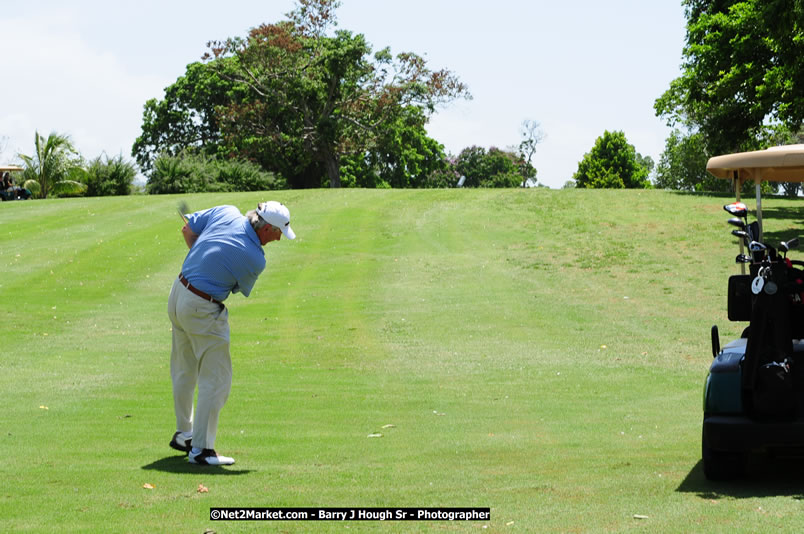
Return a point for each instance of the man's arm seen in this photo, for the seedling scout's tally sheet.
(189, 236)
(246, 283)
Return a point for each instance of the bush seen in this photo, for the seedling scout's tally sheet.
(110, 177)
(242, 175)
(193, 173)
(442, 179)
(504, 179)
(33, 186)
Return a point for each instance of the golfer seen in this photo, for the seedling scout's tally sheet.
(226, 256)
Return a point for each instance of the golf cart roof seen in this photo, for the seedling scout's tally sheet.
(4, 168)
(776, 164)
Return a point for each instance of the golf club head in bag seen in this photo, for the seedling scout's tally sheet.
(760, 251)
(786, 246)
(736, 221)
(756, 246)
(737, 209)
(742, 234)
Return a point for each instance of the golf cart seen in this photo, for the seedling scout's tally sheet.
(9, 191)
(754, 392)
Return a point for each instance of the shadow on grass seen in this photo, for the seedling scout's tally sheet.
(712, 194)
(794, 221)
(747, 195)
(765, 477)
(180, 465)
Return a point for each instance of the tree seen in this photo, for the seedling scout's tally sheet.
(682, 165)
(324, 96)
(743, 69)
(55, 166)
(492, 168)
(776, 135)
(186, 119)
(612, 163)
(531, 134)
(645, 162)
(404, 156)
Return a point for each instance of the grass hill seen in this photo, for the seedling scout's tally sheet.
(538, 352)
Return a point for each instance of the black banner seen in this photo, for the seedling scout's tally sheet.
(349, 514)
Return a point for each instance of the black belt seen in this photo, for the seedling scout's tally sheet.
(198, 292)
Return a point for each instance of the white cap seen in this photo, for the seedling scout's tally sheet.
(277, 215)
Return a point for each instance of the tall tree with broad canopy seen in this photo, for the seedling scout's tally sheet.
(322, 95)
(185, 120)
(743, 68)
(613, 163)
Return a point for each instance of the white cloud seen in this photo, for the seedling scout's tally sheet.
(60, 83)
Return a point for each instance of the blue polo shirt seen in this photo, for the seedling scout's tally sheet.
(227, 257)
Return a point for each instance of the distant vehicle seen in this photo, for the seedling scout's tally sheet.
(754, 392)
(9, 188)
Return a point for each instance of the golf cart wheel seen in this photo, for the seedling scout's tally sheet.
(721, 465)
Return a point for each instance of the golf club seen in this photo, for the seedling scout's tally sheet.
(742, 234)
(758, 251)
(736, 221)
(183, 208)
(756, 246)
(753, 230)
(785, 246)
(738, 209)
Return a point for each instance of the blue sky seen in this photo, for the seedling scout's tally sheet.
(86, 67)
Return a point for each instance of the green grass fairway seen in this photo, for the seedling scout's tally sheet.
(538, 352)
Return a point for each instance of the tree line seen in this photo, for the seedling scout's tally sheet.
(318, 108)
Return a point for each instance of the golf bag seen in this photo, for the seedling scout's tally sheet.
(767, 380)
(740, 298)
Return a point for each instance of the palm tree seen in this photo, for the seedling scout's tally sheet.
(53, 167)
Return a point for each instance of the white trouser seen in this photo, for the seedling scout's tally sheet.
(199, 355)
